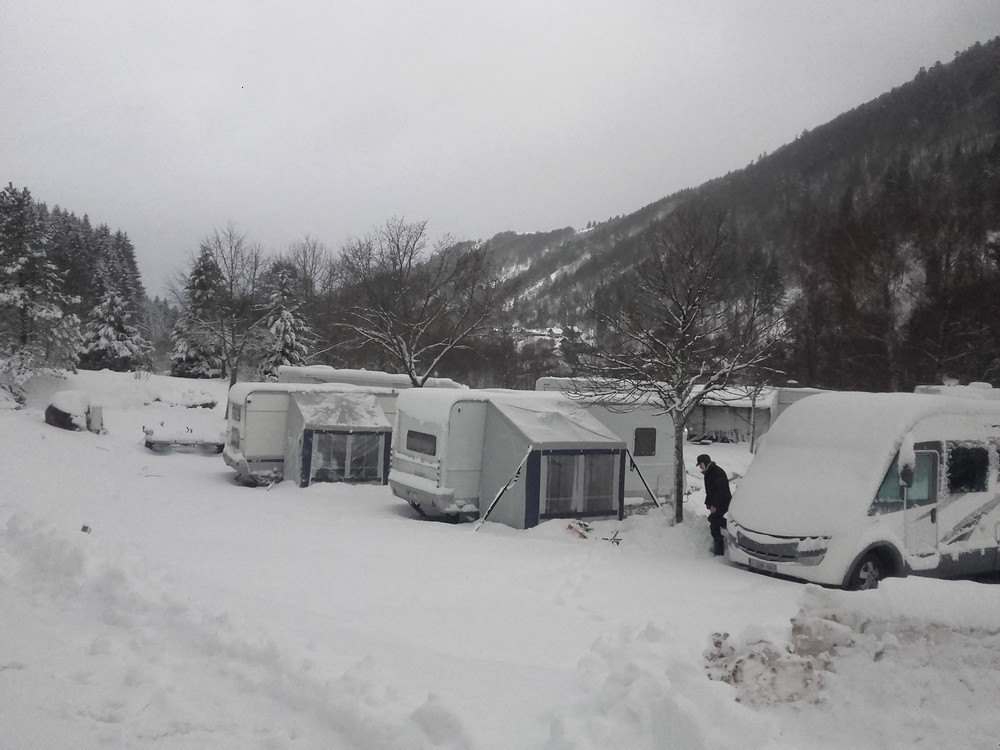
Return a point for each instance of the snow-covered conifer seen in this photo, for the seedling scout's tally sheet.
(291, 336)
(35, 329)
(111, 341)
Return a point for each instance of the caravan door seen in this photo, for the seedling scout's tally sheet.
(920, 508)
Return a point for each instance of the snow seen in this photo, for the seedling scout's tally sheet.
(197, 613)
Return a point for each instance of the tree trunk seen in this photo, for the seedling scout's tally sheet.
(679, 468)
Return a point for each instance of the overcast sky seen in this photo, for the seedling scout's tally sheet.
(327, 117)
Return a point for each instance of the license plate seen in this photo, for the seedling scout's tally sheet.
(761, 565)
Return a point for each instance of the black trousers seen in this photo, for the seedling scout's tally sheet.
(716, 523)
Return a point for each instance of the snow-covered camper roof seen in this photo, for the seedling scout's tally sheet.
(835, 448)
(555, 423)
(543, 417)
(377, 378)
(342, 411)
(979, 391)
(241, 390)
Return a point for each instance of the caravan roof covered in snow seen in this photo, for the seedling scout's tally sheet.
(377, 378)
(555, 423)
(241, 390)
(542, 416)
(836, 448)
(347, 411)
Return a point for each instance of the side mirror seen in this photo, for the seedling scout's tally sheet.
(906, 476)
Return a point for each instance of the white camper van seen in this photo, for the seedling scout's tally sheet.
(257, 424)
(456, 451)
(646, 430)
(849, 488)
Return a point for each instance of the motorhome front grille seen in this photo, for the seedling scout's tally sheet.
(804, 551)
(773, 552)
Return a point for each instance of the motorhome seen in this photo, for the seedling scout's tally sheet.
(646, 429)
(524, 456)
(257, 424)
(849, 488)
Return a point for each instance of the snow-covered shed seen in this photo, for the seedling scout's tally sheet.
(336, 437)
(541, 454)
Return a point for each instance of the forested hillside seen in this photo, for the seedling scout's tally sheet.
(883, 226)
(887, 221)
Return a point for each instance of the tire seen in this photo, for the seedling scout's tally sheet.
(867, 573)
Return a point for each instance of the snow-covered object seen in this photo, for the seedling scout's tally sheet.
(69, 410)
(186, 427)
(822, 466)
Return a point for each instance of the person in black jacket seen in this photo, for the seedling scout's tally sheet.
(717, 498)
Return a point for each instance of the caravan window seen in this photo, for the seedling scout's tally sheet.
(559, 483)
(922, 491)
(578, 483)
(338, 456)
(366, 448)
(968, 467)
(421, 442)
(598, 482)
(645, 441)
(329, 456)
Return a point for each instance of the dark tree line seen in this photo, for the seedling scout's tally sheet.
(69, 292)
(901, 284)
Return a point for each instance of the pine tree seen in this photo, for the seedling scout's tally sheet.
(35, 329)
(195, 355)
(291, 335)
(111, 341)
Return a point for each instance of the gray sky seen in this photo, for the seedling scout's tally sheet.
(327, 117)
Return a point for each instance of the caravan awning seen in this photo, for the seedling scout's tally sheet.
(557, 425)
(348, 412)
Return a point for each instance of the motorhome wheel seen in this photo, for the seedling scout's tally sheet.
(867, 573)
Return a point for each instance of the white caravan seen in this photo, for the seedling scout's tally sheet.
(646, 430)
(849, 488)
(456, 451)
(257, 424)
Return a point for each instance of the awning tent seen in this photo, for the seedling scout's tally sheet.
(337, 437)
(554, 458)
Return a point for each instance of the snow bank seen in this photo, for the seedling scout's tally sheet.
(134, 641)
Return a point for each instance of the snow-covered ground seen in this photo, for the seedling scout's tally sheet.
(196, 613)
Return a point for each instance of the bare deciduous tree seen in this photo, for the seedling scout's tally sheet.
(414, 306)
(694, 315)
(230, 320)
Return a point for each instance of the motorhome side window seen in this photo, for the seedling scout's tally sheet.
(421, 442)
(968, 467)
(921, 491)
(645, 441)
